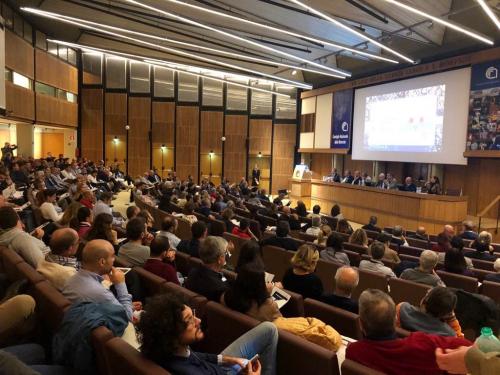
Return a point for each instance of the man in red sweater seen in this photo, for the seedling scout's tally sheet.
(380, 349)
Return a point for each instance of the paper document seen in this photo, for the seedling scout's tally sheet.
(280, 297)
(269, 277)
(302, 225)
(235, 222)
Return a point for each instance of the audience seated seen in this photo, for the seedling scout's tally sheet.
(28, 359)
(300, 278)
(282, 238)
(104, 206)
(397, 236)
(136, 249)
(168, 327)
(315, 211)
(468, 231)
(372, 225)
(64, 245)
(249, 295)
(162, 260)
(326, 230)
(48, 208)
(168, 228)
(250, 253)
(243, 231)
(389, 254)
(424, 273)
(467, 359)
(375, 264)
(381, 350)
(83, 221)
(435, 315)
(346, 280)
(30, 247)
(315, 229)
(496, 276)
(207, 279)
(17, 315)
(454, 262)
(86, 286)
(443, 243)
(335, 212)
(301, 209)
(226, 216)
(192, 247)
(420, 234)
(359, 237)
(483, 247)
(334, 251)
(343, 226)
(102, 229)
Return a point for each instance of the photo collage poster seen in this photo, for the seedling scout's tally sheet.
(483, 132)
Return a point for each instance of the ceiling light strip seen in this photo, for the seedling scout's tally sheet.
(489, 12)
(353, 31)
(240, 56)
(220, 79)
(441, 21)
(285, 31)
(168, 49)
(163, 64)
(245, 40)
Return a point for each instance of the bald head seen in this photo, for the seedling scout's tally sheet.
(449, 230)
(421, 231)
(64, 242)
(98, 256)
(346, 280)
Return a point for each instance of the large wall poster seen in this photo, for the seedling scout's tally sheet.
(342, 119)
(483, 132)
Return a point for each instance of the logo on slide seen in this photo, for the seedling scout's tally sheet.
(491, 73)
(345, 126)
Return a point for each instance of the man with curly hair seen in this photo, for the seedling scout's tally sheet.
(168, 327)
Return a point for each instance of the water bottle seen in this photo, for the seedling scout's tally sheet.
(488, 342)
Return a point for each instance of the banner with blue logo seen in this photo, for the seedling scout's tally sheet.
(483, 133)
(342, 119)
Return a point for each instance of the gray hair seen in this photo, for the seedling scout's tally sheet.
(212, 248)
(346, 279)
(377, 313)
(428, 260)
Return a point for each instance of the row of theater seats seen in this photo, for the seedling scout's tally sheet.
(115, 356)
(223, 325)
(279, 260)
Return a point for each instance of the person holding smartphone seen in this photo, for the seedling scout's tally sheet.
(168, 327)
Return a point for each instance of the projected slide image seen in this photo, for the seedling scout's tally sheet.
(408, 121)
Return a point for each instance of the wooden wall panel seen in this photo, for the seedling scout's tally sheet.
(235, 147)
(92, 124)
(19, 55)
(260, 137)
(55, 72)
(162, 128)
(55, 111)
(479, 181)
(115, 120)
(283, 155)
(321, 165)
(163, 122)
(358, 165)
(211, 127)
(187, 138)
(139, 119)
(19, 102)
